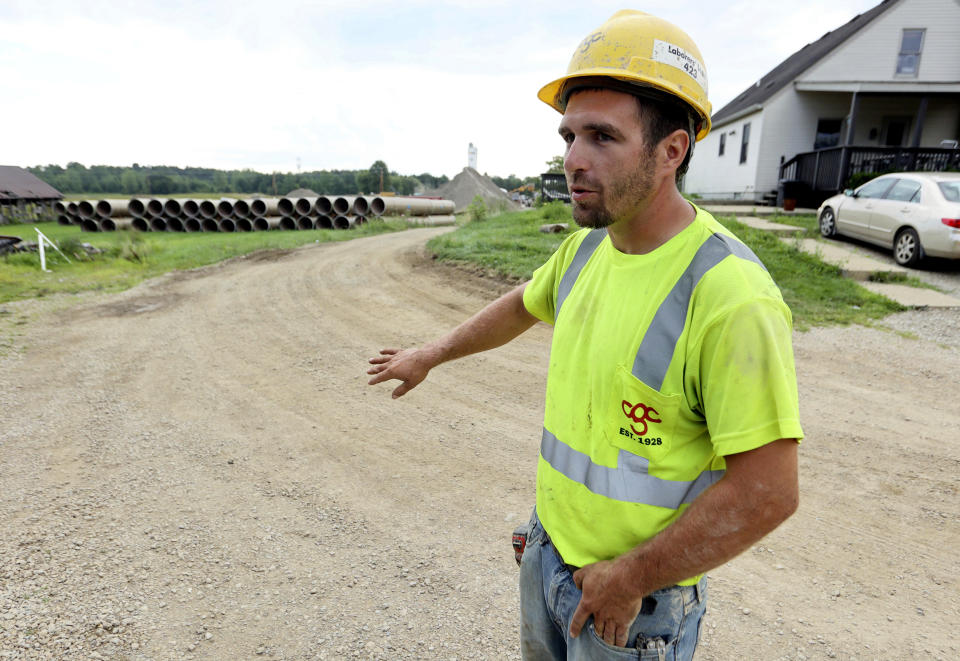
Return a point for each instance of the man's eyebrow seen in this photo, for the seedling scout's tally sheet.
(603, 127)
(596, 127)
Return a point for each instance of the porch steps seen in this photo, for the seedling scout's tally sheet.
(767, 226)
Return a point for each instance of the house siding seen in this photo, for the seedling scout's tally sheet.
(871, 54)
(723, 177)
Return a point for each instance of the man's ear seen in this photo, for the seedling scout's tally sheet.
(673, 149)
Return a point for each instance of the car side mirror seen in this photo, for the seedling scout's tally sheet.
(849, 192)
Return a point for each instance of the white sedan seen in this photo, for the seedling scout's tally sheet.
(914, 213)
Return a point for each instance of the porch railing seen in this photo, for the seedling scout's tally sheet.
(827, 171)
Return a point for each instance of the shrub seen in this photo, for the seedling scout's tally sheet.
(556, 210)
(477, 210)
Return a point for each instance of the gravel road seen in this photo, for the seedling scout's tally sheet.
(196, 469)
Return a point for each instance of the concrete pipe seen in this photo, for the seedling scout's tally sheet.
(345, 222)
(172, 208)
(410, 206)
(288, 223)
(64, 219)
(225, 208)
(244, 225)
(137, 207)
(141, 224)
(361, 206)
(305, 222)
(72, 209)
(60, 207)
(285, 206)
(343, 205)
(158, 224)
(241, 209)
(227, 225)
(191, 208)
(264, 206)
(113, 208)
(324, 205)
(209, 225)
(89, 225)
(154, 207)
(324, 223)
(85, 210)
(114, 224)
(192, 225)
(175, 224)
(304, 206)
(264, 223)
(208, 209)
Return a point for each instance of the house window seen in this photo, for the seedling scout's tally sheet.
(828, 133)
(744, 142)
(911, 45)
(723, 143)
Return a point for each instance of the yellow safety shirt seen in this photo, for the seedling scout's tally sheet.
(660, 365)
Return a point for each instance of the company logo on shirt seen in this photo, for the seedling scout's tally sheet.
(645, 417)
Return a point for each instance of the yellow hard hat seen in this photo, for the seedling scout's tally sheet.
(642, 50)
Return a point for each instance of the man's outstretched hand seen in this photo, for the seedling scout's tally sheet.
(410, 366)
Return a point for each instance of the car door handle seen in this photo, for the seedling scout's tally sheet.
(907, 210)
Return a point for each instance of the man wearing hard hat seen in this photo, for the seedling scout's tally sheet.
(671, 425)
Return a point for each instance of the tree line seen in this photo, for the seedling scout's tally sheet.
(169, 180)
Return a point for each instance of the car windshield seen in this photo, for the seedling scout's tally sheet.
(950, 190)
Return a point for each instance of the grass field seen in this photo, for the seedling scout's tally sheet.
(512, 246)
(130, 257)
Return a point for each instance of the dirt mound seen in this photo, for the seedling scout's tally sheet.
(470, 183)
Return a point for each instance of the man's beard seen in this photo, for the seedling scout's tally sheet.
(624, 196)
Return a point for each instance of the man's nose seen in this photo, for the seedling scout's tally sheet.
(575, 159)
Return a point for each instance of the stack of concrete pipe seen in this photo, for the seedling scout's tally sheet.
(258, 214)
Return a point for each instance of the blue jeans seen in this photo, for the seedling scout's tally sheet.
(667, 629)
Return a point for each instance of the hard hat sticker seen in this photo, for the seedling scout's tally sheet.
(668, 53)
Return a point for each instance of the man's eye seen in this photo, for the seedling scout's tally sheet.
(567, 138)
(603, 137)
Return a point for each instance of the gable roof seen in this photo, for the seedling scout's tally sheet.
(788, 70)
(16, 183)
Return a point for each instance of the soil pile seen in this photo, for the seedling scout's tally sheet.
(470, 183)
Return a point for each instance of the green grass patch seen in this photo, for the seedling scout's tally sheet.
(130, 257)
(511, 245)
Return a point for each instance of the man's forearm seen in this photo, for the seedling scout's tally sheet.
(496, 324)
(758, 491)
(723, 522)
(493, 326)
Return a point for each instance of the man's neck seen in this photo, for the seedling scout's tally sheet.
(659, 218)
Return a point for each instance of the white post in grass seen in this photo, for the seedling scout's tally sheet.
(41, 240)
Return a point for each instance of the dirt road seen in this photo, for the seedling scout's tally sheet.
(196, 468)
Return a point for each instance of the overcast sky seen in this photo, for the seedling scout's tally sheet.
(334, 84)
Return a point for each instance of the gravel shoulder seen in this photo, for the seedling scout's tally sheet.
(196, 468)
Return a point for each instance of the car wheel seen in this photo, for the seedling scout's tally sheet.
(907, 249)
(828, 223)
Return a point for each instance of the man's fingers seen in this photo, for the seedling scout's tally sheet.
(379, 376)
(579, 618)
(388, 352)
(401, 390)
(578, 579)
(621, 638)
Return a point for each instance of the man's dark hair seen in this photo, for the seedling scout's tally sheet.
(658, 112)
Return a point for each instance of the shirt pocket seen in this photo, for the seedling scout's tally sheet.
(644, 419)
